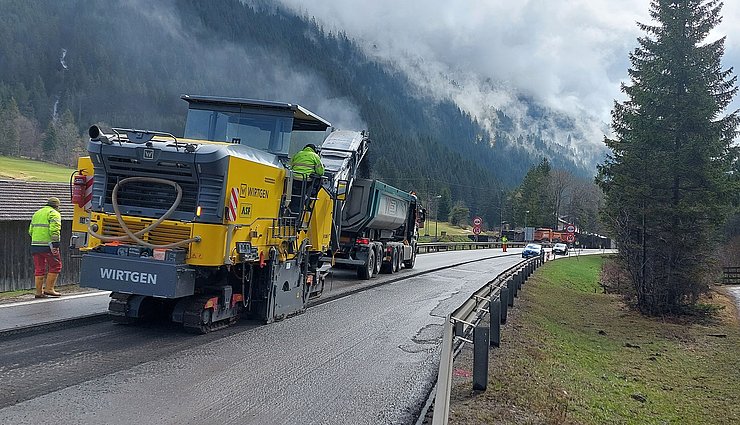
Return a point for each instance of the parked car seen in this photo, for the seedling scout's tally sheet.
(560, 248)
(532, 250)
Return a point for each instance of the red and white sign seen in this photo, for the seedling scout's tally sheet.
(82, 191)
(570, 238)
(477, 221)
(476, 230)
(570, 228)
(233, 204)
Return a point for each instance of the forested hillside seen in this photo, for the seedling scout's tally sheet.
(67, 64)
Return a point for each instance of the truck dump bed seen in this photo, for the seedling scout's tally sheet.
(372, 204)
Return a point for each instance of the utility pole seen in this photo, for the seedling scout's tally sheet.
(501, 204)
(429, 203)
(436, 215)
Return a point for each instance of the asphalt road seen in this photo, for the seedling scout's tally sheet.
(369, 358)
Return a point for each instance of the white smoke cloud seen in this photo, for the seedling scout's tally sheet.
(223, 68)
(569, 55)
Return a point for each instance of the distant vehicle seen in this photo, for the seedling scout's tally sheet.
(532, 250)
(560, 248)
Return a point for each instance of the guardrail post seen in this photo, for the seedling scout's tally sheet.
(459, 328)
(494, 307)
(515, 283)
(510, 286)
(480, 358)
(504, 298)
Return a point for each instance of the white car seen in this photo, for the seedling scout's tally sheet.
(560, 248)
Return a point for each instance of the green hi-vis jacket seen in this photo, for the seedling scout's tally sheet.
(305, 162)
(45, 228)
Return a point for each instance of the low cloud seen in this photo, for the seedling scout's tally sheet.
(569, 55)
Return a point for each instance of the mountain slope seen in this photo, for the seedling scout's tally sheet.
(125, 63)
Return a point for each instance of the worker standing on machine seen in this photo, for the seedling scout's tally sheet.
(307, 169)
(45, 228)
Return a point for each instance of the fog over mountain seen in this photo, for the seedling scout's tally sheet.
(565, 59)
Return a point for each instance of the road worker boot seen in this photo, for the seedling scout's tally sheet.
(40, 287)
(51, 280)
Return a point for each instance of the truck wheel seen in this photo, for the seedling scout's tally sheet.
(396, 260)
(378, 262)
(391, 266)
(366, 272)
(410, 263)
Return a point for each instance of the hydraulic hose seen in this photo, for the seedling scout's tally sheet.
(135, 236)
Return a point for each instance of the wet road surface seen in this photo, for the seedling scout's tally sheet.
(367, 358)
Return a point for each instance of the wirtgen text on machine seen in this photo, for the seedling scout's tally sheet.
(128, 276)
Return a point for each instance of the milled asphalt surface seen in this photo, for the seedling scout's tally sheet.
(367, 358)
(31, 314)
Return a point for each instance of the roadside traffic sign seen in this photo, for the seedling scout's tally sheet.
(570, 228)
(570, 238)
(476, 230)
(477, 221)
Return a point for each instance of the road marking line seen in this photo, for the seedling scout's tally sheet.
(47, 300)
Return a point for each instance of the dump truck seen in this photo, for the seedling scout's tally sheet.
(203, 226)
(379, 229)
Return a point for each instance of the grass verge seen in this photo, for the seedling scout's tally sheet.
(26, 169)
(578, 356)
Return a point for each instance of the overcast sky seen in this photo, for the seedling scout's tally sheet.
(571, 55)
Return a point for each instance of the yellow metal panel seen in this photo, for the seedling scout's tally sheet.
(210, 250)
(79, 220)
(319, 230)
(260, 189)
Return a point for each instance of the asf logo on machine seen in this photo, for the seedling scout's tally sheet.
(128, 276)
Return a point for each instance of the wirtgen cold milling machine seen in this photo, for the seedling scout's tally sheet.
(201, 226)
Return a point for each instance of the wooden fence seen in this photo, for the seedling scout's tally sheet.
(16, 262)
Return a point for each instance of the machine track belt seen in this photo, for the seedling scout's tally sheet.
(118, 309)
(196, 319)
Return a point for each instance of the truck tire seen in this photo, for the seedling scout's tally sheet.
(391, 266)
(366, 272)
(409, 264)
(378, 261)
(396, 260)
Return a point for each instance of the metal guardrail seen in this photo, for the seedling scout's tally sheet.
(731, 275)
(494, 298)
(454, 246)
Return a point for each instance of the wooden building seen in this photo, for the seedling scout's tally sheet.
(18, 201)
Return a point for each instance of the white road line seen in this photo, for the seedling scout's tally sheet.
(48, 300)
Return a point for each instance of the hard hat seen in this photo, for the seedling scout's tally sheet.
(53, 202)
(312, 146)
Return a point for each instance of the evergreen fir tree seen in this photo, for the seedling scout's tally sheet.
(9, 137)
(667, 179)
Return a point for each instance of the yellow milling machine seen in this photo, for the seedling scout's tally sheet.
(213, 225)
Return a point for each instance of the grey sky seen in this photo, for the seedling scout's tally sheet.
(571, 55)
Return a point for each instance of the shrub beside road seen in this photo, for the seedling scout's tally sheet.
(577, 355)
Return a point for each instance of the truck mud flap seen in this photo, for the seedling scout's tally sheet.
(136, 275)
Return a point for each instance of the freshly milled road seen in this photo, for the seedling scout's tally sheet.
(365, 359)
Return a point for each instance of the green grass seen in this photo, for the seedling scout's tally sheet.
(16, 293)
(578, 273)
(26, 169)
(452, 233)
(579, 357)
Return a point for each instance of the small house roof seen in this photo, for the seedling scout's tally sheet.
(20, 199)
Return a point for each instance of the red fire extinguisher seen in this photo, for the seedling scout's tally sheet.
(79, 184)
